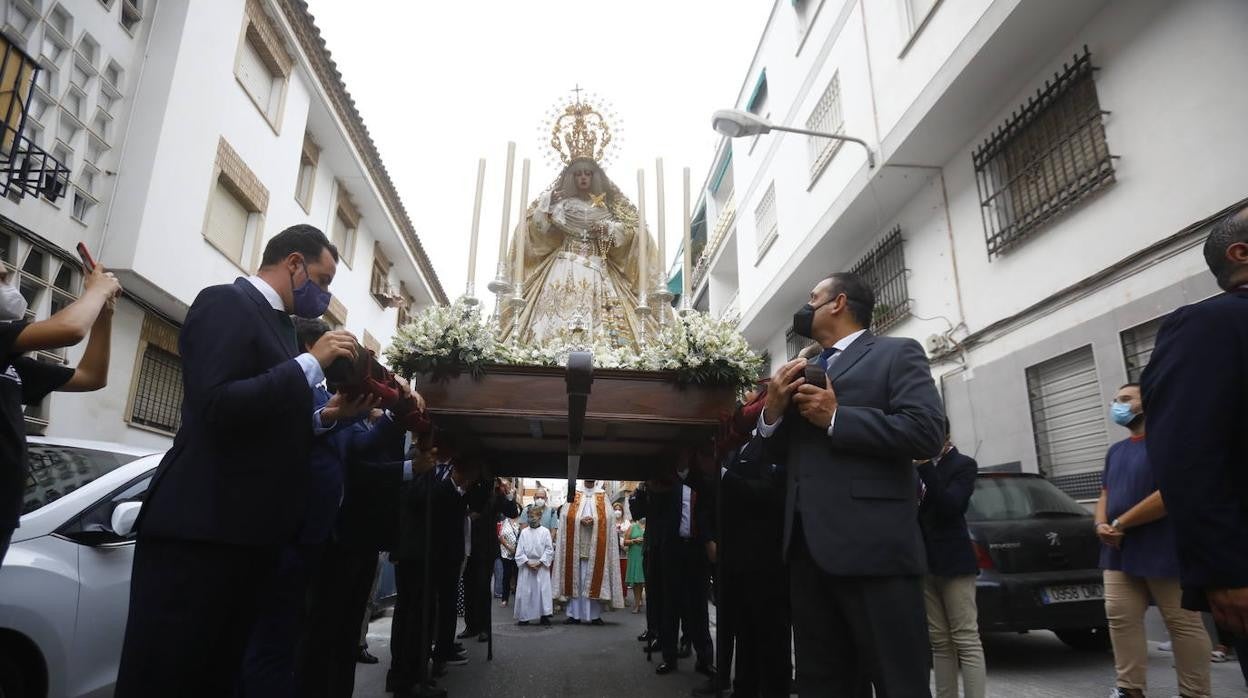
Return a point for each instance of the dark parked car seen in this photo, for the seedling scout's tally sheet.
(1037, 552)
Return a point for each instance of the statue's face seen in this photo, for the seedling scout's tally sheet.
(584, 179)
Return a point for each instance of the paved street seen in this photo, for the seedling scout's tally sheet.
(608, 662)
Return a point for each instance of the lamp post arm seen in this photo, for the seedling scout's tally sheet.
(833, 136)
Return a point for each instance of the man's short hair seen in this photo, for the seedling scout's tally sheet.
(859, 294)
(1129, 385)
(1232, 229)
(302, 238)
(310, 331)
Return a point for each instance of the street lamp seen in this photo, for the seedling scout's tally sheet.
(735, 123)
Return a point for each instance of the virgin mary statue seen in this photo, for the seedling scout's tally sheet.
(582, 252)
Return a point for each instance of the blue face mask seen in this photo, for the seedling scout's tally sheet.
(311, 301)
(1121, 413)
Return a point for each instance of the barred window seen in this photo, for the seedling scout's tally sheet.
(157, 400)
(1048, 157)
(158, 395)
(766, 226)
(884, 270)
(794, 344)
(826, 118)
(1137, 347)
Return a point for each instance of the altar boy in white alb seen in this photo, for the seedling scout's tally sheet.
(587, 562)
(534, 554)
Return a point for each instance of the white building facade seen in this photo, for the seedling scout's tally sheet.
(1046, 172)
(194, 132)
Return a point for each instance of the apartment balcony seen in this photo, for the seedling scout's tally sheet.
(715, 240)
(732, 309)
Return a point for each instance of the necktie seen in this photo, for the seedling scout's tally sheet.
(288, 329)
(828, 355)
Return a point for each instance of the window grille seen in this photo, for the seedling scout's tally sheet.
(826, 118)
(884, 270)
(765, 224)
(1137, 347)
(794, 344)
(1049, 156)
(158, 394)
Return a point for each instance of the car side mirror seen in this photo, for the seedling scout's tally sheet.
(125, 515)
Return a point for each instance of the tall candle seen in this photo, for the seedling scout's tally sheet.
(686, 275)
(662, 213)
(476, 229)
(502, 237)
(518, 264)
(644, 284)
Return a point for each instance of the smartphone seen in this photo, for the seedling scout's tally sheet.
(816, 376)
(86, 258)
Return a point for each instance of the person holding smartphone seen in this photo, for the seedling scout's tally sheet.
(24, 380)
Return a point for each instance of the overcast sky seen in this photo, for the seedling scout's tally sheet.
(442, 84)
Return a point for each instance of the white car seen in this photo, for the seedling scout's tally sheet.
(65, 584)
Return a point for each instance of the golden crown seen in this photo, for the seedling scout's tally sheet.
(579, 129)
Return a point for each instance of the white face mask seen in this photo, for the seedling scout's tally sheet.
(12, 303)
(539, 502)
(619, 514)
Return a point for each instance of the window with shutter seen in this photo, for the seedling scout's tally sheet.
(1068, 419)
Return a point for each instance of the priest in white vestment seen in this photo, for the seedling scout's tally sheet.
(534, 554)
(587, 561)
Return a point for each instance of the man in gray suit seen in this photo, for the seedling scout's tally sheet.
(851, 527)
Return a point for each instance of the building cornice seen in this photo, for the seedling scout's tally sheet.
(313, 45)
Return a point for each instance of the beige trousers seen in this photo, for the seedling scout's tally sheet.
(953, 631)
(1126, 600)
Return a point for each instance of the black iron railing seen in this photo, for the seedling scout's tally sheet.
(884, 270)
(25, 168)
(1046, 158)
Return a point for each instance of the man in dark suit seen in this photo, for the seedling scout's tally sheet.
(1196, 397)
(488, 503)
(949, 588)
(751, 581)
(269, 668)
(855, 551)
(233, 489)
(678, 571)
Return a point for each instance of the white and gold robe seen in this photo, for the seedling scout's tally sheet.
(597, 544)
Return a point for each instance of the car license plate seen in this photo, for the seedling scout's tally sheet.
(1071, 593)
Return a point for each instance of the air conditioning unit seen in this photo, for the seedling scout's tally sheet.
(937, 344)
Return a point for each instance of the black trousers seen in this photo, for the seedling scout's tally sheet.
(269, 668)
(855, 632)
(477, 596)
(754, 620)
(336, 602)
(410, 627)
(193, 606)
(446, 593)
(510, 573)
(684, 576)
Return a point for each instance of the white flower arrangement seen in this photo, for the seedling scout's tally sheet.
(446, 340)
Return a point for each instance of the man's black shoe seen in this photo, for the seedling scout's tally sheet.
(571, 621)
(706, 669)
(597, 621)
(644, 636)
(483, 637)
(466, 634)
(665, 668)
(651, 646)
(544, 621)
(366, 657)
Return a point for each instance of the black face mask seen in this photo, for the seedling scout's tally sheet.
(804, 320)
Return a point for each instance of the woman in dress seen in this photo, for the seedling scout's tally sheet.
(636, 576)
